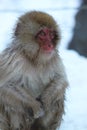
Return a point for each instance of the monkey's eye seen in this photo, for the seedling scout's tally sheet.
(55, 35)
(52, 35)
(42, 33)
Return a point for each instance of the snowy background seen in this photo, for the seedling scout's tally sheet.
(76, 66)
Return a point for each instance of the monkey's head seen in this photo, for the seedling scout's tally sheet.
(38, 33)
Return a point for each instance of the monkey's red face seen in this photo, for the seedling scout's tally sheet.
(45, 38)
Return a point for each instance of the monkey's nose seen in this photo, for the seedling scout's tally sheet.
(50, 46)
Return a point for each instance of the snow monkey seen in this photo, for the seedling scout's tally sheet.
(32, 76)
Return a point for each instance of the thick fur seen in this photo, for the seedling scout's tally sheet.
(32, 84)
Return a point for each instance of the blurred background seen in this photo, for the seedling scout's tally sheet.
(71, 15)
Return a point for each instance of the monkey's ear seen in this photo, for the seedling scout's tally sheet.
(17, 29)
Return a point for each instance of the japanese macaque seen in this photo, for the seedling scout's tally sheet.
(32, 76)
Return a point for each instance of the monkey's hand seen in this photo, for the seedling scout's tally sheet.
(18, 100)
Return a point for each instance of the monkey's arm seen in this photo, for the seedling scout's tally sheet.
(53, 92)
(13, 95)
(55, 89)
(18, 100)
(17, 108)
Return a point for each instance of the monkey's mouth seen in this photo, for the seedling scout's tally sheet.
(47, 49)
(50, 51)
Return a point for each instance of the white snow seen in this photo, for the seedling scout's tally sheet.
(76, 106)
(76, 66)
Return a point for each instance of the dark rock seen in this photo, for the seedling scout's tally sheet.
(79, 39)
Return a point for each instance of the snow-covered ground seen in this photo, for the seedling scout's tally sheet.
(76, 66)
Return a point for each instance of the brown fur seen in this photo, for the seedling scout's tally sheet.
(32, 84)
